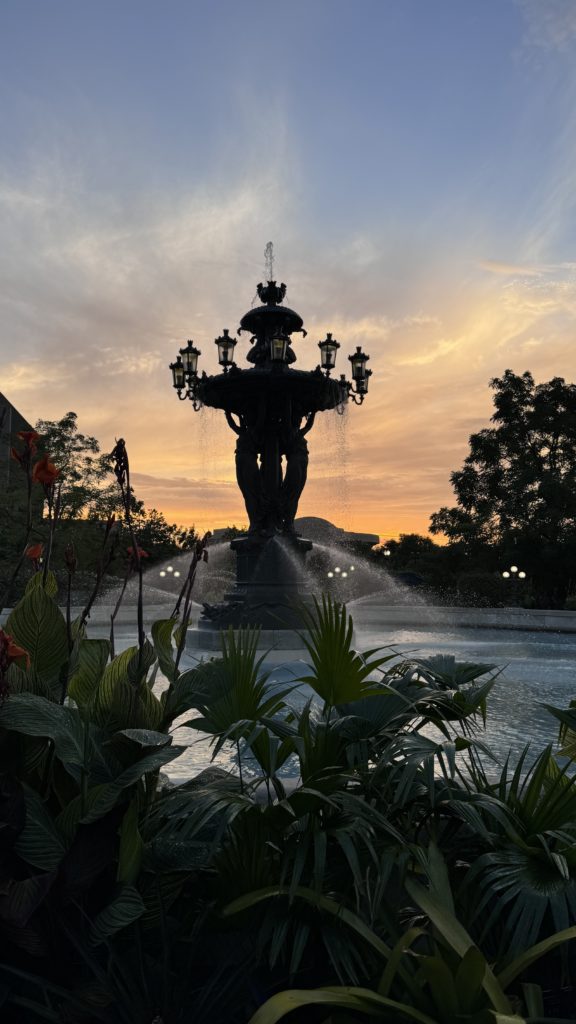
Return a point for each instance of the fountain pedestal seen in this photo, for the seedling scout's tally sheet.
(271, 588)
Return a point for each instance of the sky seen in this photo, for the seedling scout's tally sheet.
(413, 162)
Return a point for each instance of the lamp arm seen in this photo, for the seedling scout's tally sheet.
(232, 423)
(308, 425)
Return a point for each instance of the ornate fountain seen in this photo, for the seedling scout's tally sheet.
(271, 407)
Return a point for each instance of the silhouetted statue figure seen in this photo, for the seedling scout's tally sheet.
(265, 435)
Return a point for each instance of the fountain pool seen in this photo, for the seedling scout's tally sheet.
(537, 668)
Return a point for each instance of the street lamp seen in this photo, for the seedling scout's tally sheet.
(514, 574)
(360, 376)
(226, 346)
(185, 374)
(279, 348)
(328, 350)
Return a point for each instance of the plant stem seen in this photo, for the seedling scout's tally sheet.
(240, 765)
(117, 609)
(8, 591)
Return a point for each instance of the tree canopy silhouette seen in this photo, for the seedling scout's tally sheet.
(520, 474)
(517, 487)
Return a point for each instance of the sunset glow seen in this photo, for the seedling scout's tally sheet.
(413, 163)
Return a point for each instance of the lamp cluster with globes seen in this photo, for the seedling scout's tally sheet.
(514, 573)
(169, 571)
(185, 379)
(339, 573)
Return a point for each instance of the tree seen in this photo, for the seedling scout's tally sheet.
(517, 488)
(83, 469)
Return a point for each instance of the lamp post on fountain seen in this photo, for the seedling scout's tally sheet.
(270, 407)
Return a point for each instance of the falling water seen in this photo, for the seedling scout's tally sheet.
(329, 457)
(355, 577)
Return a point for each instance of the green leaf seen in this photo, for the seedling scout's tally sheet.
(340, 674)
(19, 899)
(360, 999)
(50, 588)
(354, 922)
(40, 842)
(470, 979)
(37, 625)
(162, 631)
(131, 846)
(127, 907)
(529, 956)
(436, 972)
(92, 658)
(35, 716)
(110, 792)
(190, 690)
(457, 938)
(142, 661)
(71, 816)
(121, 700)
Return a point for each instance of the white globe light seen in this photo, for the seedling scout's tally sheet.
(162, 573)
(176, 573)
(337, 568)
(513, 568)
(521, 575)
(352, 567)
(330, 575)
(344, 575)
(506, 575)
(169, 568)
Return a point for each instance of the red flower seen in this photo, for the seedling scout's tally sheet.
(44, 471)
(34, 552)
(9, 652)
(141, 552)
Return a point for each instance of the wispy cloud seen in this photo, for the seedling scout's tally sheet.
(550, 24)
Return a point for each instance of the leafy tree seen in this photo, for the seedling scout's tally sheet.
(517, 487)
(83, 469)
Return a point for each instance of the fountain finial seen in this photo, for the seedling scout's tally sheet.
(271, 294)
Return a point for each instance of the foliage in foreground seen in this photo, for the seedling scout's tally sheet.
(361, 850)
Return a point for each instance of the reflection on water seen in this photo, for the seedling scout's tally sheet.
(537, 668)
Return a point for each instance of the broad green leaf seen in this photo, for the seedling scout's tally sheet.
(136, 741)
(40, 843)
(19, 899)
(440, 980)
(457, 938)
(92, 658)
(162, 631)
(142, 661)
(120, 701)
(360, 999)
(71, 816)
(439, 880)
(251, 899)
(522, 962)
(36, 716)
(37, 625)
(50, 587)
(125, 908)
(190, 690)
(131, 846)
(111, 792)
(470, 979)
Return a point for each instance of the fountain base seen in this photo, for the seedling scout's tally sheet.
(271, 586)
